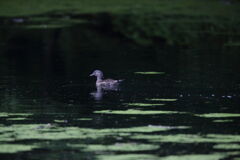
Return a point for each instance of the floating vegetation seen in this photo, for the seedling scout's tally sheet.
(3, 114)
(14, 148)
(49, 132)
(144, 104)
(214, 156)
(149, 73)
(136, 111)
(222, 120)
(129, 147)
(6, 114)
(190, 138)
(162, 99)
(218, 115)
(236, 158)
(128, 157)
(60, 121)
(227, 146)
(17, 119)
(84, 119)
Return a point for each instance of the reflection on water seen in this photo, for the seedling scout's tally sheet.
(173, 104)
(101, 90)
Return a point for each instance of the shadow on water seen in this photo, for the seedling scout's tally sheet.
(174, 103)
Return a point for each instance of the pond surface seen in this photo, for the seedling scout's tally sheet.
(174, 104)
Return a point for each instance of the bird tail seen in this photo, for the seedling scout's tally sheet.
(120, 80)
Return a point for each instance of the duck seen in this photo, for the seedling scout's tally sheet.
(105, 83)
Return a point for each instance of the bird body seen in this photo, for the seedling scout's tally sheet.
(104, 82)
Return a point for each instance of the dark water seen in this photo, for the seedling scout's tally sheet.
(51, 109)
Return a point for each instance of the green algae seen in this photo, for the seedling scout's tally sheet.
(17, 119)
(218, 115)
(214, 156)
(150, 73)
(59, 121)
(233, 153)
(6, 114)
(227, 146)
(162, 99)
(135, 111)
(127, 157)
(50, 132)
(84, 119)
(129, 147)
(3, 114)
(144, 104)
(14, 148)
(190, 138)
(222, 120)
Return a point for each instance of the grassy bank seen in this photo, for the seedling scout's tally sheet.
(187, 7)
(180, 22)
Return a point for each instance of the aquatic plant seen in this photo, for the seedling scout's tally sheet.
(145, 104)
(218, 115)
(136, 111)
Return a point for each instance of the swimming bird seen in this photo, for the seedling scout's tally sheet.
(105, 83)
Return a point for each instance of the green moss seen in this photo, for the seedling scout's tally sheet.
(227, 146)
(183, 22)
(215, 156)
(144, 104)
(188, 7)
(190, 138)
(129, 147)
(218, 115)
(14, 148)
(139, 112)
(128, 157)
(6, 114)
(162, 99)
(149, 73)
